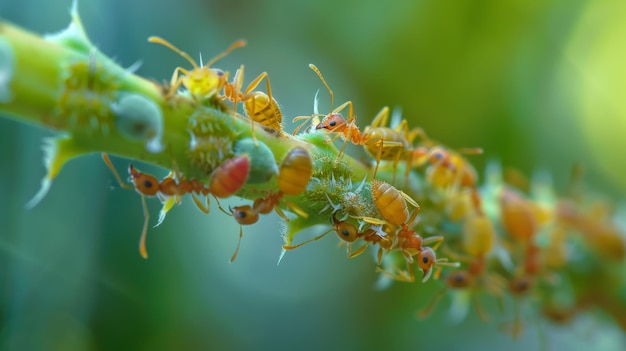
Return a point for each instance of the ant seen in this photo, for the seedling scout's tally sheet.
(349, 233)
(479, 238)
(201, 81)
(447, 167)
(293, 178)
(258, 106)
(227, 179)
(391, 204)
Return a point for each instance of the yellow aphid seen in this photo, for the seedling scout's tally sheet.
(295, 171)
(479, 235)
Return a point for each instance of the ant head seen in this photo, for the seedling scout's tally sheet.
(521, 285)
(331, 122)
(244, 215)
(426, 260)
(346, 231)
(459, 279)
(145, 184)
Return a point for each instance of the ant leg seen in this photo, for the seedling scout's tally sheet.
(428, 309)
(351, 117)
(292, 247)
(479, 309)
(379, 155)
(144, 232)
(234, 256)
(282, 214)
(108, 162)
(220, 206)
(300, 118)
(379, 257)
(199, 204)
(381, 118)
(295, 208)
(408, 167)
(358, 251)
(437, 240)
(403, 276)
(236, 94)
(413, 203)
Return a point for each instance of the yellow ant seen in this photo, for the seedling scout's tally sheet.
(258, 106)
(202, 81)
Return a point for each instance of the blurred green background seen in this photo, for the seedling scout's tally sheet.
(540, 85)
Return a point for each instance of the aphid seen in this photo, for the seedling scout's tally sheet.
(227, 179)
(391, 203)
(293, 177)
(479, 235)
(262, 162)
(258, 106)
(518, 215)
(461, 204)
(295, 171)
(230, 176)
(201, 81)
(349, 233)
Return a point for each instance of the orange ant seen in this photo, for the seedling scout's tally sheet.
(596, 228)
(519, 215)
(227, 179)
(349, 233)
(350, 133)
(521, 219)
(258, 106)
(383, 143)
(447, 167)
(293, 177)
(478, 240)
(391, 203)
(202, 81)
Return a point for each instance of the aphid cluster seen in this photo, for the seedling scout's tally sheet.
(499, 240)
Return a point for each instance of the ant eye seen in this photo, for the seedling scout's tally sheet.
(147, 184)
(332, 123)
